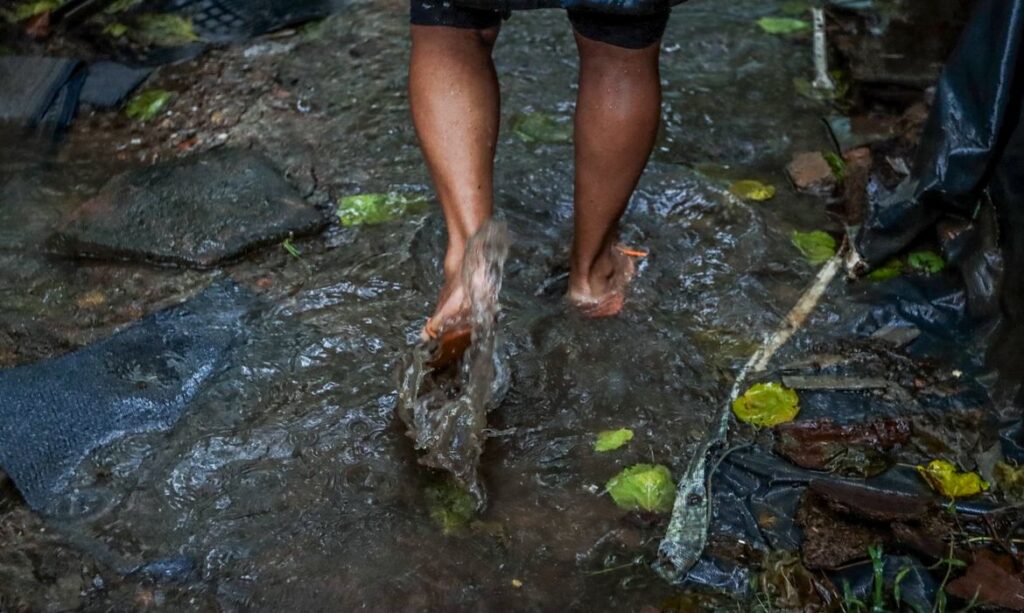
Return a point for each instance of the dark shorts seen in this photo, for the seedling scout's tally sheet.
(628, 31)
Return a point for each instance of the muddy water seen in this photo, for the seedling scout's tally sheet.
(289, 484)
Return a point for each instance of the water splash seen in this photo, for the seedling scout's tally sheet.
(445, 410)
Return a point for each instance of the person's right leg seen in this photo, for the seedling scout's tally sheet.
(453, 94)
(617, 114)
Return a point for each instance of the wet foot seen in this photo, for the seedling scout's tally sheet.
(603, 292)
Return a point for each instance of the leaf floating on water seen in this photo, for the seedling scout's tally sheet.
(944, 478)
(766, 404)
(817, 246)
(451, 507)
(927, 262)
(783, 25)
(890, 270)
(541, 128)
(148, 104)
(643, 487)
(164, 30)
(27, 10)
(115, 30)
(379, 208)
(748, 189)
(609, 440)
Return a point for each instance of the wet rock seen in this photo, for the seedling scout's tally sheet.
(199, 211)
(854, 449)
(992, 581)
(810, 172)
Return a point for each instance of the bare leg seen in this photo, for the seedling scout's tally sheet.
(453, 93)
(617, 115)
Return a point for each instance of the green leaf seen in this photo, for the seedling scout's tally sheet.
(836, 163)
(163, 30)
(148, 104)
(115, 30)
(542, 128)
(119, 6)
(817, 246)
(890, 270)
(748, 189)
(927, 262)
(643, 487)
(766, 404)
(944, 478)
(27, 10)
(379, 208)
(450, 506)
(610, 440)
(291, 248)
(783, 25)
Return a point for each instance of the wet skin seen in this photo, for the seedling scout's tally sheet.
(455, 101)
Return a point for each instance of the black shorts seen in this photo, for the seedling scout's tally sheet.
(628, 31)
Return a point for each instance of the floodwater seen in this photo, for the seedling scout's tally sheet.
(290, 483)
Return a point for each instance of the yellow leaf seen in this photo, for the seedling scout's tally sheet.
(752, 190)
(766, 404)
(944, 478)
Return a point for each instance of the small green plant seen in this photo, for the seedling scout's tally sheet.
(291, 248)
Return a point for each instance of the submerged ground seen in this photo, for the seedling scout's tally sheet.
(289, 484)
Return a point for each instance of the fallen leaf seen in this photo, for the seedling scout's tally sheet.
(378, 208)
(1010, 479)
(944, 478)
(450, 506)
(766, 404)
(748, 189)
(783, 25)
(148, 104)
(889, 270)
(115, 30)
(610, 440)
(163, 30)
(643, 487)
(817, 246)
(927, 262)
(541, 128)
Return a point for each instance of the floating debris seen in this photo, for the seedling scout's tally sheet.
(379, 208)
(749, 189)
(944, 478)
(542, 128)
(610, 440)
(927, 262)
(816, 246)
(643, 487)
(766, 405)
(148, 104)
(783, 25)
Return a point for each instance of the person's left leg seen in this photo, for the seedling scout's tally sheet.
(617, 115)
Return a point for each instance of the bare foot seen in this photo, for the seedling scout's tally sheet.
(602, 293)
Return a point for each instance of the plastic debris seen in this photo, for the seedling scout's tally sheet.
(766, 404)
(609, 440)
(643, 487)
